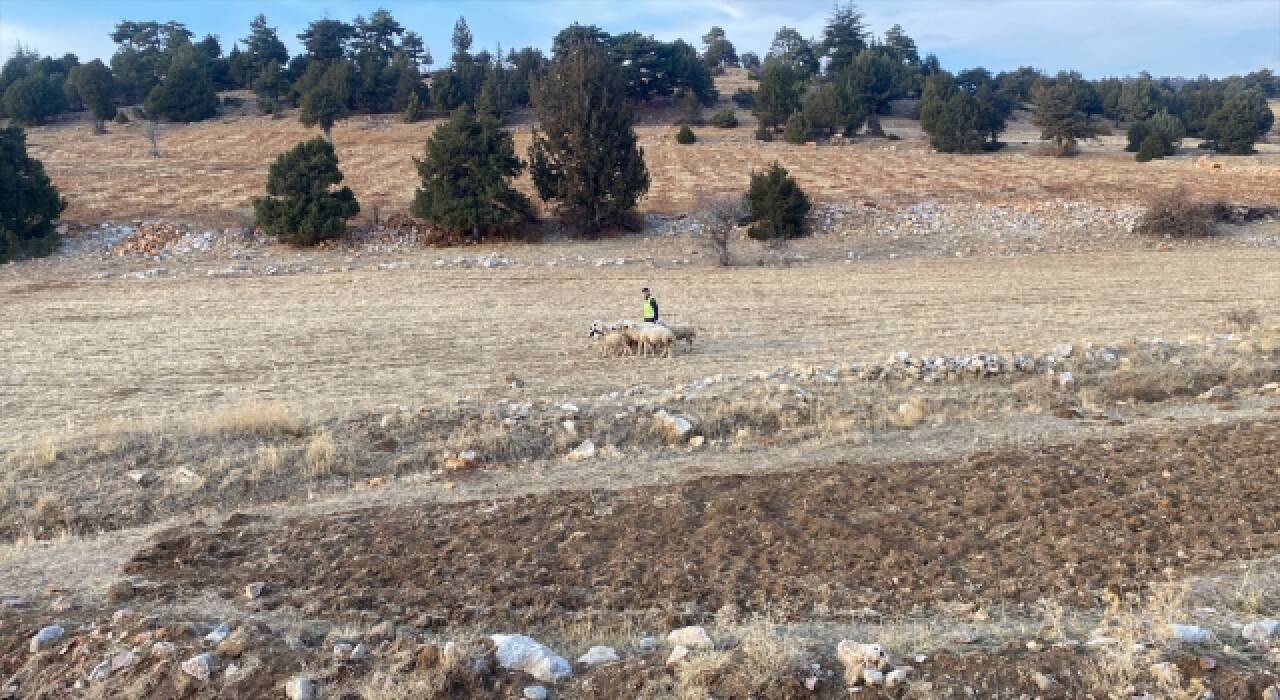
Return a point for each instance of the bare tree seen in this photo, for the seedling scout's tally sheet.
(154, 152)
(718, 216)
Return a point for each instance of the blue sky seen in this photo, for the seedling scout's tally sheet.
(1097, 37)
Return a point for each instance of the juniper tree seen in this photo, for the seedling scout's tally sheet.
(776, 205)
(1241, 120)
(185, 94)
(778, 96)
(301, 206)
(93, 83)
(1054, 111)
(585, 158)
(29, 203)
(466, 176)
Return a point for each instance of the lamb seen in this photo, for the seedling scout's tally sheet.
(615, 344)
(651, 337)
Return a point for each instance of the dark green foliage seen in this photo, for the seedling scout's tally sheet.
(1017, 85)
(498, 92)
(1241, 120)
(415, 111)
(751, 62)
(901, 47)
(744, 98)
(1140, 98)
(797, 130)
(843, 37)
(962, 114)
(145, 55)
(271, 83)
(29, 203)
(121, 117)
(685, 135)
(262, 49)
(301, 207)
(776, 205)
(1138, 132)
(326, 102)
(1055, 111)
(326, 39)
(35, 98)
(584, 156)
(823, 114)
(1150, 148)
(185, 94)
(778, 96)
(724, 119)
(793, 49)
(763, 133)
(718, 51)
(466, 177)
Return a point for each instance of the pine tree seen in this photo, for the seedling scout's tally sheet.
(1054, 111)
(843, 38)
(326, 102)
(185, 94)
(778, 96)
(797, 131)
(301, 207)
(466, 177)
(34, 98)
(685, 135)
(584, 156)
(1241, 120)
(776, 205)
(29, 203)
(1151, 148)
(414, 111)
(93, 83)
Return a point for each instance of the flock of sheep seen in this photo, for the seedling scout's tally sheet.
(625, 338)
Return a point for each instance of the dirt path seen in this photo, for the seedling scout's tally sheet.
(81, 351)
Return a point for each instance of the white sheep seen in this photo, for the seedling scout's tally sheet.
(652, 338)
(615, 344)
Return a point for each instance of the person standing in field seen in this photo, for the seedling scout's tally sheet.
(650, 307)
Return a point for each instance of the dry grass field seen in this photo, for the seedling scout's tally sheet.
(209, 172)
(87, 350)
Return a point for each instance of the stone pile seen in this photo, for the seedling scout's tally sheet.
(149, 239)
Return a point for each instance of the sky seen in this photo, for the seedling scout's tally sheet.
(1096, 37)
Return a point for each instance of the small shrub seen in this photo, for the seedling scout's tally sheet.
(724, 119)
(268, 106)
(29, 203)
(720, 215)
(1151, 149)
(776, 205)
(1176, 214)
(797, 130)
(893, 137)
(1244, 320)
(764, 133)
(232, 101)
(121, 117)
(744, 98)
(300, 208)
(685, 135)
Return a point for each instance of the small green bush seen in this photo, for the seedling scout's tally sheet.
(121, 117)
(300, 208)
(764, 133)
(724, 119)
(29, 203)
(1152, 148)
(232, 101)
(744, 98)
(776, 205)
(685, 135)
(797, 130)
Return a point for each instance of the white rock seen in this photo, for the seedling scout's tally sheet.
(1166, 673)
(520, 653)
(1260, 631)
(1216, 393)
(896, 677)
(342, 651)
(1066, 379)
(125, 659)
(811, 683)
(586, 450)
(647, 644)
(1190, 634)
(1063, 349)
(360, 653)
(1043, 681)
(199, 666)
(693, 637)
(678, 654)
(46, 637)
(218, 634)
(535, 692)
(599, 655)
(678, 426)
(855, 655)
(870, 676)
(255, 590)
(100, 672)
(164, 649)
(300, 688)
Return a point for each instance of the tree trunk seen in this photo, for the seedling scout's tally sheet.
(154, 152)
(328, 135)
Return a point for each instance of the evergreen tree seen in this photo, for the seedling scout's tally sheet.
(262, 48)
(326, 39)
(35, 98)
(843, 38)
(96, 88)
(1164, 131)
(797, 131)
(29, 203)
(271, 84)
(461, 40)
(790, 47)
(466, 177)
(326, 102)
(415, 111)
(497, 94)
(776, 205)
(718, 51)
(951, 116)
(1055, 112)
(1139, 99)
(900, 46)
(301, 208)
(145, 55)
(584, 156)
(1241, 120)
(685, 135)
(1151, 148)
(824, 113)
(778, 96)
(185, 94)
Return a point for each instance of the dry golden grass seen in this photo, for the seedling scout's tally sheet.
(118, 349)
(320, 454)
(210, 171)
(256, 418)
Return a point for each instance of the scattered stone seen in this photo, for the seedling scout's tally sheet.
(342, 651)
(896, 677)
(1043, 681)
(678, 654)
(385, 630)
(693, 637)
(1190, 634)
(1066, 380)
(360, 653)
(125, 659)
(235, 643)
(164, 649)
(871, 676)
(535, 692)
(520, 653)
(856, 656)
(46, 637)
(1272, 693)
(1217, 393)
(300, 688)
(199, 666)
(676, 427)
(141, 477)
(647, 644)
(1063, 349)
(599, 655)
(1166, 673)
(13, 603)
(100, 672)
(697, 441)
(586, 450)
(255, 590)
(811, 683)
(1260, 631)
(218, 634)
(1208, 663)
